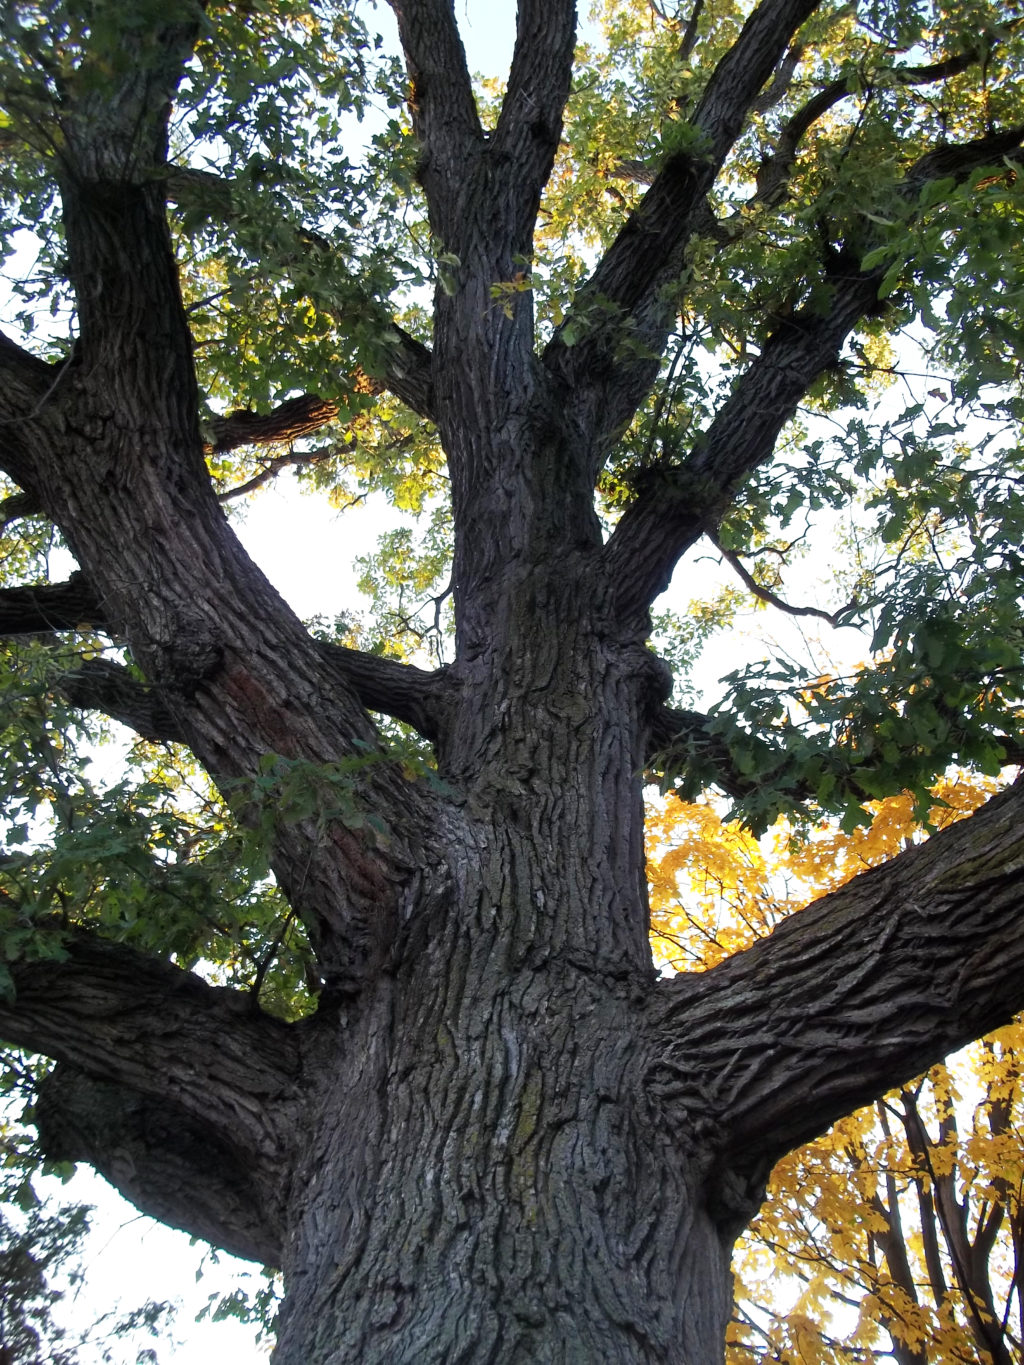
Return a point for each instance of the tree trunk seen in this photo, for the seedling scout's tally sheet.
(491, 1183)
(513, 1194)
(500, 1138)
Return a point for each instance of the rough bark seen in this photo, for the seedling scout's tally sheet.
(183, 1095)
(500, 1138)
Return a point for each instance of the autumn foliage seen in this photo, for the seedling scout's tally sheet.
(900, 1232)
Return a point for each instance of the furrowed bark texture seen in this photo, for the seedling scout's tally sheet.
(500, 1138)
(181, 1094)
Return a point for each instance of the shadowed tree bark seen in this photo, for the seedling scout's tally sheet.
(501, 1137)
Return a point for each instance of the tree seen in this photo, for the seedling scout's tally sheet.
(900, 1227)
(489, 1130)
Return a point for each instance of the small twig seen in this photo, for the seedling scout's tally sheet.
(764, 594)
(264, 964)
(31, 416)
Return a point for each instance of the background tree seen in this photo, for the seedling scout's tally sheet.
(378, 1007)
(899, 1231)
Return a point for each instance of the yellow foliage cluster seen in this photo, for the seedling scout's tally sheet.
(899, 1234)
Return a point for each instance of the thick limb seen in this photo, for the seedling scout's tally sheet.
(123, 474)
(444, 113)
(682, 502)
(167, 1162)
(860, 992)
(164, 1079)
(623, 303)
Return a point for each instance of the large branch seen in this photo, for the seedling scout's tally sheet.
(402, 691)
(167, 1162)
(109, 687)
(289, 421)
(409, 694)
(245, 684)
(444, 112)
(744, 70)
(38, 608)
(679, 503)
(114, 107)
(530, 123)
(159, 1068)
(623, 301)
(853, 996)
(15, 508)
(28, 402)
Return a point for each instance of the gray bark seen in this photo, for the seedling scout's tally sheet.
(500, 1138)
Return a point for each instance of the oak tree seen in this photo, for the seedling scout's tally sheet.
(350, 971)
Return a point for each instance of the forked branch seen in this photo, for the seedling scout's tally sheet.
(679, 503)
(775, 170)
(623, 302)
